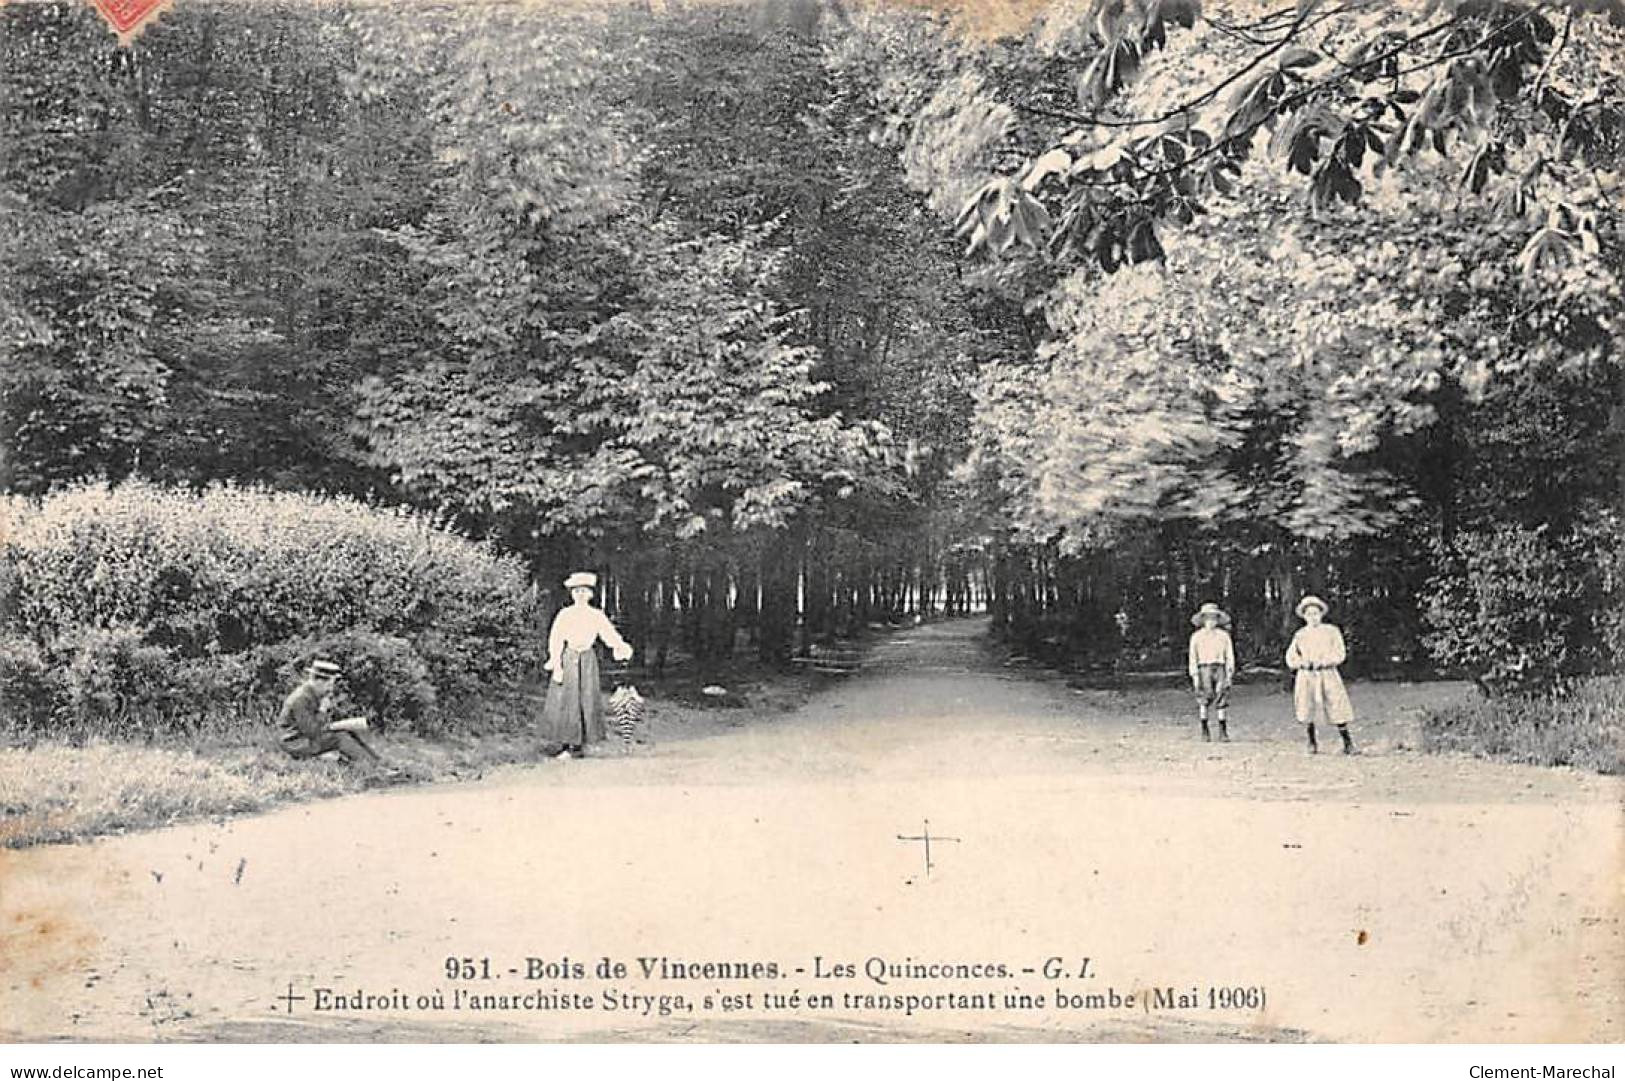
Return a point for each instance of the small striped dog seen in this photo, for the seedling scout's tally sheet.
(624, 713)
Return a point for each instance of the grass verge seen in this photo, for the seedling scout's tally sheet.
(59, 791)
(1584, 729)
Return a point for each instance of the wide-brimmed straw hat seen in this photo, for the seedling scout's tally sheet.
(1211, 609)
(581, 578)
(1311, 601)
(325, 669)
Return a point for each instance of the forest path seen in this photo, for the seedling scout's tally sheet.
(1390, 896)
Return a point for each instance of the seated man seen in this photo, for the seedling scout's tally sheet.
(306, 730)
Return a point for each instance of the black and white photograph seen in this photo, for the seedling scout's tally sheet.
(552, 522)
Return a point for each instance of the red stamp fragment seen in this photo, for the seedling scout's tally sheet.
(129, 17)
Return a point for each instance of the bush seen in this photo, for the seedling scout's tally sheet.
(162, 607)
(30, 695)
(1510, 609)
(1600, 545)
(1584, 729)
(116, 683)
(232, 687)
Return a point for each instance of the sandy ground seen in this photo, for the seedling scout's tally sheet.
(1389, 896)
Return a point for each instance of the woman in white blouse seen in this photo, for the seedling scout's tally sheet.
(1318, 693)
(574, 713)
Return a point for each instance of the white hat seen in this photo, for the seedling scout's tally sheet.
(581, 578)
(1311, 601)
(1211, 609)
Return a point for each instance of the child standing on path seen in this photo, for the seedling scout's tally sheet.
(1318, 693)
(1213, 666)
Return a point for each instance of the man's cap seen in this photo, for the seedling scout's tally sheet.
(581, 578)
(326, 669)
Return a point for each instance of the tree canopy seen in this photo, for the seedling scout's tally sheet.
(795, 315)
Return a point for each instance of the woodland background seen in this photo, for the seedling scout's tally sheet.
(792, 318)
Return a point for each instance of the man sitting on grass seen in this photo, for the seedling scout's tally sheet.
(306, 730)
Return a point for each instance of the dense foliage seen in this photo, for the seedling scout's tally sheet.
(141, 609)
(1329, 290)
(1243, 302)
(1526, 609)
(612, 288)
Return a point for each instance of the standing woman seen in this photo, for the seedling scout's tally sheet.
(1318, 693)
(574, 713)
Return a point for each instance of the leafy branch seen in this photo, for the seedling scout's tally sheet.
(1163, 175)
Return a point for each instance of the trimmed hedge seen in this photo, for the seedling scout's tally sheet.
(142, 609)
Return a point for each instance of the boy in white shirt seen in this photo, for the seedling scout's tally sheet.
(1212, 667)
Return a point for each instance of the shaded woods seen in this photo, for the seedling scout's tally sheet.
(647, 300)
(672, 292)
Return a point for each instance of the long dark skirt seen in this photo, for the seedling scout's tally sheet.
(574, 711)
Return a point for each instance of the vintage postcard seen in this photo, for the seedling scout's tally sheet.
(792, 521)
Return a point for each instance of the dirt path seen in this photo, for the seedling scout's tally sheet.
(1390, 896)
